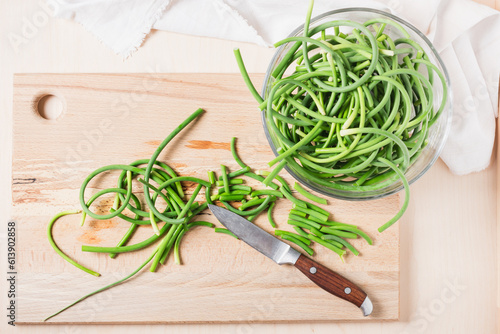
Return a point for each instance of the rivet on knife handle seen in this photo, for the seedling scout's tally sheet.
(334, 283)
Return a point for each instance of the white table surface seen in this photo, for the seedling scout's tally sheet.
(448, 234)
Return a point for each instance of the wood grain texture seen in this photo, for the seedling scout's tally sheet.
(118, 118)
(330, 281)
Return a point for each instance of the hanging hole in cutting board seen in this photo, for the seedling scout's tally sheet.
(50, 107)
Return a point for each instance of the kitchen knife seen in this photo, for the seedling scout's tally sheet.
(282, 253)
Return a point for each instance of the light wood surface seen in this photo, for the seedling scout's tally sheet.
(498, 219)
(51, 158)
(448, 235)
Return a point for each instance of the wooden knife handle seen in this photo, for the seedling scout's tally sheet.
(334, 283)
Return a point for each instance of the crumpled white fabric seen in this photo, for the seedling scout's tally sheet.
(466, 34)
(121, 24)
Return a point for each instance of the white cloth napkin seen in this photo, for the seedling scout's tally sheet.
(466, 34)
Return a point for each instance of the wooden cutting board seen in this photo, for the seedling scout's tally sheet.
(118, 118)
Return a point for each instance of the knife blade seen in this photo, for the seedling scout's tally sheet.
(282, 253)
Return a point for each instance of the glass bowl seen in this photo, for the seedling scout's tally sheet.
(437, 132)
